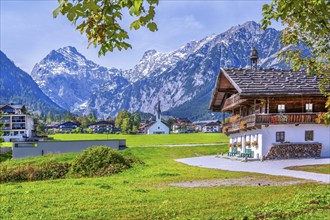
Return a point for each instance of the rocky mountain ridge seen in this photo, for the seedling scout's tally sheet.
(16, 86)
(182, 79)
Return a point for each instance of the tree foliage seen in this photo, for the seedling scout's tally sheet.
(307, 24)
(127, 122)
(121, 116)
(2, 124)
(100, 20)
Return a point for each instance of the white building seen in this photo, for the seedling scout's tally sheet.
(274, 113)
(16, 124)
(198, 125)
(157, 127)
(211, 127)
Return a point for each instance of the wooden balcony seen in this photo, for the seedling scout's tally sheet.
(232, 101)
(255, 121)
(289, 118)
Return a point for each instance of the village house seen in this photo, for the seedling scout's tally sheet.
(182, 125)
(157, 127)
(274, 113)
(199, 126)
(211, 127)
(102, 127)
(67, 127)
(16, 124)
(52, 127)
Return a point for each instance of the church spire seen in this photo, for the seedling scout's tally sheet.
(158, 111)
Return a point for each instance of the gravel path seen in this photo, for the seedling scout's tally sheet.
(274, 167)
(243, 181)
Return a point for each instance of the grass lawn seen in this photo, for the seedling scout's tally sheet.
(142, 192)
(5, 144)
(320, 168)
(150, 140)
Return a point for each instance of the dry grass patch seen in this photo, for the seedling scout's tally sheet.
(317, 168)
(243, 181)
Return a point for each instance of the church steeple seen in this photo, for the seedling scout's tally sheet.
(158, 111)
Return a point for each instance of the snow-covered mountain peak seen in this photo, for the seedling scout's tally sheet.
(251, 27)
(148, 54)
(70, 54)
(182, 79)
(69, 50)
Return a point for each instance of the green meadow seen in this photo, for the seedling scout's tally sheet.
(144, 191)
(5, 144)
(150, 140)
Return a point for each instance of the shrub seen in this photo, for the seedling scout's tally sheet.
(6, 156)
(28, 172)
(99, 161)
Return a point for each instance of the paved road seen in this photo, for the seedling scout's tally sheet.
(274, 167)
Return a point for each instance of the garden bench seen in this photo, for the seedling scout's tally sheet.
(247, 153)
(233, 152)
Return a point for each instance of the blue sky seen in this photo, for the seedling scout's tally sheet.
(29, 32)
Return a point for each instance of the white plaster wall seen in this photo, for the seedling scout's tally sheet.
(254, 135)
(297, 134)
(29, 125)
(210, 129)
(158, 127)
(267, 136)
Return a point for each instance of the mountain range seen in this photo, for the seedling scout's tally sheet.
(182, 79)
(16, 86)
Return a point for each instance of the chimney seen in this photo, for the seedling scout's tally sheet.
(254, 59)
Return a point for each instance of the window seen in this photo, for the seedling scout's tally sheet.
(281, 108)
(280, 136)
(309, 135)
(309, 107)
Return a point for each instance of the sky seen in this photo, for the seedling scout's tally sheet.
(28, 31)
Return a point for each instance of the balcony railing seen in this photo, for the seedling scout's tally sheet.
(18, 128)
(255, 121)
(233, 100)
(18, 120)
(289, 118)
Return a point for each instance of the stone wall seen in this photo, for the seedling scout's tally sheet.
(293, 151)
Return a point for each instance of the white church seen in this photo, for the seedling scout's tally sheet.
(157, 127)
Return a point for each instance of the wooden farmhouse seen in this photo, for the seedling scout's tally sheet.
(274, 113)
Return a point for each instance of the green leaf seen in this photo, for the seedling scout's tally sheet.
(152, 26)
(56, 11)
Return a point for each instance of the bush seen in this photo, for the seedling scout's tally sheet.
(99, 161)
(6, 156)
(28, 172)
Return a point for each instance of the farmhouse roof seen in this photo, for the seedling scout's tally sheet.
(12, 106)
(68, 123)
(271, 82)
(205, 122)
(212, 124)
(102, 123)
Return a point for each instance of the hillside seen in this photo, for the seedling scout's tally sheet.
(16, 86)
